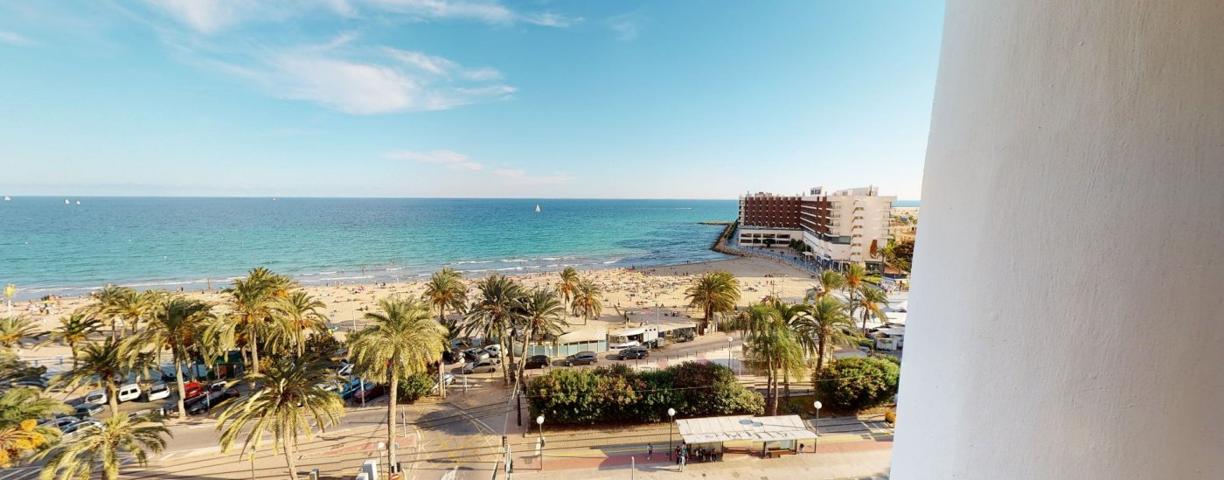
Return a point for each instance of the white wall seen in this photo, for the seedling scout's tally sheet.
(1067, 312)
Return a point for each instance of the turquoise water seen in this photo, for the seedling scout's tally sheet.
(47, 247)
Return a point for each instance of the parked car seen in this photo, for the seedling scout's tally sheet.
(60, 422)
(128, 392)
(157, 391)
(581, 358)
(486, 365)
(345, 370)
(145, 412)
(192, 390)
(633, 353)
(76, 429)
(493, 350)
(35, 383)
(204, 403)
(537, 361)
(476, 354)
(447, 379)
(451, 356)
(97, 396)
(372, 391)
(351, 388)
(89, 409)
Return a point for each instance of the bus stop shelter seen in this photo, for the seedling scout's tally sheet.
(770, 436)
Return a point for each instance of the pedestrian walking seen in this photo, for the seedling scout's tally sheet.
(649, 451)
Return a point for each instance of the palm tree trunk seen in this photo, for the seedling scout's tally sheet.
(291, 462)
(786, 381)
(391, 445)
(505, 372)
(254, 352)
(72, 348)
(182, 391)
(112, 397)
(442, 361)
(820, 351)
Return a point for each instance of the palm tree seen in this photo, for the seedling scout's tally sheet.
(715, 293)
(403, 339)
(106, 444)
(295, 315)
(773, 346)
(173, 326)
(872, 300)
(586, 301)
(495, 312)
(543, 317)
(15, 329)
(107, 305)
(445, 289)
(20, 408)
(829, 281)
(568, 286)
(828, 325)
(74, 330)
(855, 277)
(250, 301)
(104, 365)
(291, 400)
(792, 316)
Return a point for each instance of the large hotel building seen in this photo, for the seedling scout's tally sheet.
(846, 226)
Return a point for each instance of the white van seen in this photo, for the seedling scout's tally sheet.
(157, 391)
(129, 392)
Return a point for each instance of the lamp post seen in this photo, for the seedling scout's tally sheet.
(671, 420)
(540, 422)
(729, 339)
(816, 404)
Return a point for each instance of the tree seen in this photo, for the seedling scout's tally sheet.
(294, 316)
(402, 339)
(15, 329)
(495, 312)
(827, 325)
(105, 445)
(173, 326)
(291, 402)
(444, 290)
(103, 365)
(568, 286)
(250, 301)
(715, 293)
(872, 300)
(856, 383)
(74, 330)
(771, 345)
(20, 434)
(855, 277)
(543, 318)
(586, 301)
(109, 303)
(829, 281)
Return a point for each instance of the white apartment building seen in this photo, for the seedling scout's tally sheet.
(846, 226)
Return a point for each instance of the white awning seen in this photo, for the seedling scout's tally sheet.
(743, 427)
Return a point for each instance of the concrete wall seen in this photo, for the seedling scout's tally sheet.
(1067, 314)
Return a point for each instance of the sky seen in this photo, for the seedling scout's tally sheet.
(464, 98)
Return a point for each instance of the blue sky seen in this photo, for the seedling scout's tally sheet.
(654, 99)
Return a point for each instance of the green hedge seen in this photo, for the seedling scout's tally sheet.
(414, 387)
(857, 383)
(619, 394)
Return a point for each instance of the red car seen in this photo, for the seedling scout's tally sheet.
(371, 392)
(192, 390)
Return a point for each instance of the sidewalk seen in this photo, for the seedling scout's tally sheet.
(833, 460)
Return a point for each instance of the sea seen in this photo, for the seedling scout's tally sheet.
(52, 247)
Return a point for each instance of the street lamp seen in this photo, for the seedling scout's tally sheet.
(816, 404)
(671, 420)
(729, 339)
(540, 422)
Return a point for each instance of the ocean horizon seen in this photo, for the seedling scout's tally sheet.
(49, 247)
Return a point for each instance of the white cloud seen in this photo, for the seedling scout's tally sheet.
(428, 63)
(447, 158)
(626, 26)
(211, 16)
(15, 39)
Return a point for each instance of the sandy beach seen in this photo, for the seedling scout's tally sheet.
(631, 291)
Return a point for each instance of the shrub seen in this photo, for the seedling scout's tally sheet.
(857, 383)
(414, 387)
(890, 417)
(619, 394)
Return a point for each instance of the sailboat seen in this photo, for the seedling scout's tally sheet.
(78, 202)
(8, 198)
(537, 208)
(66, 202)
